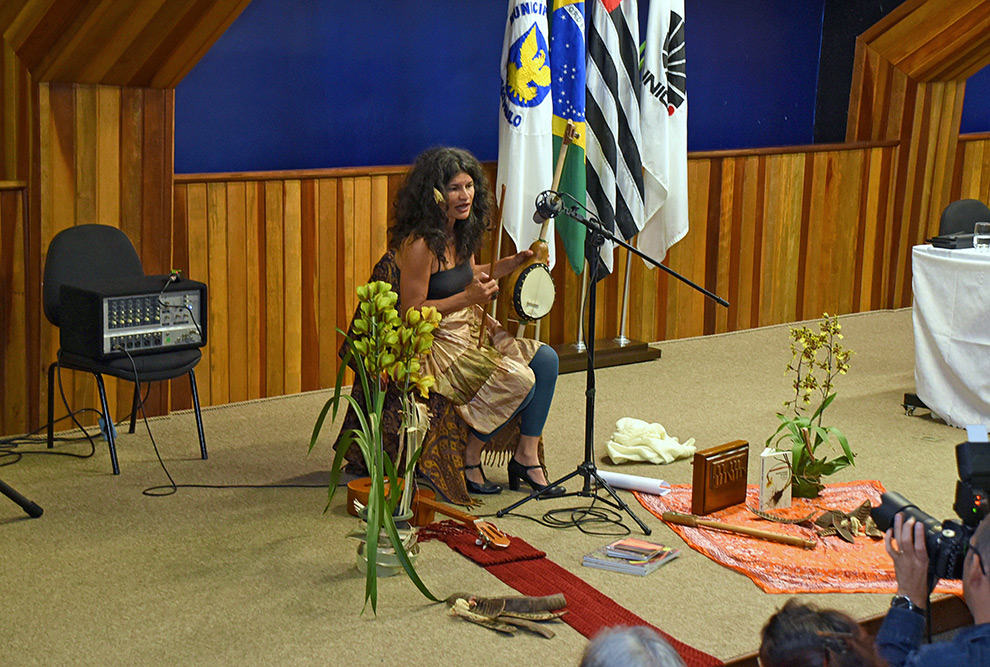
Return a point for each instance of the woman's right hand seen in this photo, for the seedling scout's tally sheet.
(482, 290)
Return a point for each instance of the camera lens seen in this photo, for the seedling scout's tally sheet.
(894, 503)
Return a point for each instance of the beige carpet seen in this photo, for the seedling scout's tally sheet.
(262, 576)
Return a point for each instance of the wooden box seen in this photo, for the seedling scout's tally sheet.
(719, 477)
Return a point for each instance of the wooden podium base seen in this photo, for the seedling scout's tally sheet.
(608, 352)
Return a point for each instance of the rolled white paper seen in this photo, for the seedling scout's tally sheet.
(619, 480)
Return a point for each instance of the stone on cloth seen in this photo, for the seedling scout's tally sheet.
(636, 440)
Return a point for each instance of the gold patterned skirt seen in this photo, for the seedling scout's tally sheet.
(486, 384)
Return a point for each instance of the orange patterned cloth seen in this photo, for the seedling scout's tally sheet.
(833, 566)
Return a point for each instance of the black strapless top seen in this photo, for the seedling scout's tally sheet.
(449, 282)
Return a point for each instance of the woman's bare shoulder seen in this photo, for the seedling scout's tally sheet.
(414, 252)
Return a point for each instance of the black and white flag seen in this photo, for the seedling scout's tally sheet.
(614, 164)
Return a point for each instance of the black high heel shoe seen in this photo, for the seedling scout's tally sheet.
(518, 471)
(486, 487)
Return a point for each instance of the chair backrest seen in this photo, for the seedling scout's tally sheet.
(960, 216)
(86, 255)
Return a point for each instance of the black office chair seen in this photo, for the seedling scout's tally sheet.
(86, 256)
(960, 216)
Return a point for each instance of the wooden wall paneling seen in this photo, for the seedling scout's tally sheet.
(309, 236)
(945, 41)
(85, 138)
(815, 251)
(75, 46)
(848, 192)
(195, 42)
(236, 285)
(274, 344)
(60, 200)
(14, 394)
(217, 271)
(713, 247)
(123, 29)
(983, 192)
(155, 244)
(747, 209)
(85, 171)
(37, 27)
(947, 143)
(781, 239)
(15, 116)
(380, 205)
(292, 300)
(108, 155)
(928, 138)
(162, 39)
(327, 280)
(256, 297)
(685, 306)
(877, 220)
(347, 298)
(642, 297)
(197, 214)
(909, 185)
(974, 180)
(151, 43)
(132, 210)
(181, 393)
(728, 246)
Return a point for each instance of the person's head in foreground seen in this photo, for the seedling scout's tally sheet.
(630, 647)
(801, 635)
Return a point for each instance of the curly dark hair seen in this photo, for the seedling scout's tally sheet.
(417, 213)
(802, 635)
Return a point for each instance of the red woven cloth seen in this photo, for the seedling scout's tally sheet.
(530, 572)
(833, 566)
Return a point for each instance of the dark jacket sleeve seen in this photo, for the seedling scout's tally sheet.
(900, 636)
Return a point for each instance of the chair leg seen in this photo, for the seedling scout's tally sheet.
(199, 415)
(51, 404)
(108, 421)
(135, 405)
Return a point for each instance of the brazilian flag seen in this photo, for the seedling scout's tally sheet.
(567, 66)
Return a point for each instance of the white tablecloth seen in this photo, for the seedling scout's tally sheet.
(952, 332)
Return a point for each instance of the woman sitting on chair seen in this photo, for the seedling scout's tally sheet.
(442, 212)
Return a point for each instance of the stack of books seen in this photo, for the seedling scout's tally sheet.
(631, 556)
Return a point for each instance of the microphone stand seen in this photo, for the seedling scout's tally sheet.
(594, 240)
(32, 509)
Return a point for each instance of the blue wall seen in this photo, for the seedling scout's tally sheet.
(298, 84)
(976, 104)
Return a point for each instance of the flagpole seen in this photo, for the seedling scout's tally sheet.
(622, 340)
(579, 345)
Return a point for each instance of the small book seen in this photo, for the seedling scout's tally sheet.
(632, 549)
(601, 559)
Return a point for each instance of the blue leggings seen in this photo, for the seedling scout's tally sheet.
(535, 407)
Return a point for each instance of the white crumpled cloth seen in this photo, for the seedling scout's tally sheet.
(637, 440)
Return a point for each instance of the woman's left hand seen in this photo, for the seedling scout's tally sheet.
(520, 258)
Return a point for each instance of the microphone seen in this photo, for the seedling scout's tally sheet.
(548, 205)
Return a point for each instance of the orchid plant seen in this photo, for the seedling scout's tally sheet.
(817, 359)
(386, 349)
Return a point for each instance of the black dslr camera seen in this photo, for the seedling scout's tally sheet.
(945, 541)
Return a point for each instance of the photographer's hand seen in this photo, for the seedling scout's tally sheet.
(910, 558)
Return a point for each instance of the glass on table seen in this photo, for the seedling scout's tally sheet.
(981, 236)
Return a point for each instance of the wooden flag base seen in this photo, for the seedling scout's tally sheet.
(608, 352)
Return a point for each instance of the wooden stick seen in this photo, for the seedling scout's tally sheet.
(694, 522)
(496, 248)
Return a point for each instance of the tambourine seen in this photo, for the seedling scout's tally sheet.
(534, 293)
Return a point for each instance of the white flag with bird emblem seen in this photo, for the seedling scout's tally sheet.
(525, 130)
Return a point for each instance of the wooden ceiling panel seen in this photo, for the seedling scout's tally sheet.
(134, 43)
